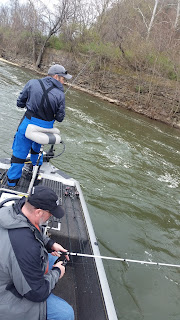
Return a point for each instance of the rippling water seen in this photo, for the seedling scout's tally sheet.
(128, 167)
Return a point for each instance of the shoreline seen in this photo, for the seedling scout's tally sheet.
(96, 94)
(124, 104)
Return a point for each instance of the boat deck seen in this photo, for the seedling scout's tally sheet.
(80, 286)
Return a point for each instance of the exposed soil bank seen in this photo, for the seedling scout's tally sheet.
(152, 96)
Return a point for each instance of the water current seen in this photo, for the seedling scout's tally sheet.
(128, 168)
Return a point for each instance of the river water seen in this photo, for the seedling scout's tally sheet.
(128, 167)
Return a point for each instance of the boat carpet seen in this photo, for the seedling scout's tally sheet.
(80, 285)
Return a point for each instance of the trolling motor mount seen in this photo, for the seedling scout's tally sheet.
(49, 155)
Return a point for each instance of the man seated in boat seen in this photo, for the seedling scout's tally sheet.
(44, 100)
(27, 271)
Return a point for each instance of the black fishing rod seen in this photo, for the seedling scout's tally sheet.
(118, 259)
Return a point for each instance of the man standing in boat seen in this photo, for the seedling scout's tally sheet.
(27, 272)
(44, 100)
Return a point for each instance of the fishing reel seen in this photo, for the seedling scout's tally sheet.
(69, 192)
(65, 261)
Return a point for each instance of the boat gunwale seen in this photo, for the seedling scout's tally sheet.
(104, 285)
(108, 301)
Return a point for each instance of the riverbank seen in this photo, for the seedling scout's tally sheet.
(152, 96)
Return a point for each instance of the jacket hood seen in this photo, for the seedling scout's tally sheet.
(49, 81)
(11, 217)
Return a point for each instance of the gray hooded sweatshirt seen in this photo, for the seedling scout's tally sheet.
(24, 286)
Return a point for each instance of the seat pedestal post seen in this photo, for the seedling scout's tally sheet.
(35, 170)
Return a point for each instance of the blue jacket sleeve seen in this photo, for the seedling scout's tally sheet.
(22, 99)
(60, 109)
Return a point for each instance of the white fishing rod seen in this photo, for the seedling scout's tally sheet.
(119, 259)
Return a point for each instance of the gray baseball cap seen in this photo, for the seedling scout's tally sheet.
(60, 71)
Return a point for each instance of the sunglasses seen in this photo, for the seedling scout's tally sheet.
(61, 74)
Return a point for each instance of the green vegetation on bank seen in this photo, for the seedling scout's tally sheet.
(162, 63)
(121, 36)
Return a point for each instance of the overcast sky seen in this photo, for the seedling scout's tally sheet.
(48, 3)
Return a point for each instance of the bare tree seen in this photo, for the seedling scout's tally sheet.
(153, 11)
(177, 15)
(4, 16)
(65, 11)
(33, 25)
(152, 17)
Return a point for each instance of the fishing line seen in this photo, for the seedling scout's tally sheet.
(55, 156)
(121, 259)
(51, 150)
(78, 75)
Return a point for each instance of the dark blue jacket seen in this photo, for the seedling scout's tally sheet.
(32, 97)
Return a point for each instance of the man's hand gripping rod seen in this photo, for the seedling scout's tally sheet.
(65, 261)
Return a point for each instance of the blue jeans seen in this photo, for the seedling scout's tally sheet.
(57, 308)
